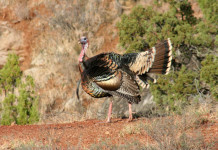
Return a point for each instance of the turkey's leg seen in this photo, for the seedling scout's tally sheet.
(109, 112)
(130, 113)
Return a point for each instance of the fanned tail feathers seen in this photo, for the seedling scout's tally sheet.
(158, 62)
(163, 58)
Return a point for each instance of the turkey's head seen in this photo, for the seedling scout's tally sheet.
(84, 42)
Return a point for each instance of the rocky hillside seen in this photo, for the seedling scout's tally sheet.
(45, 34)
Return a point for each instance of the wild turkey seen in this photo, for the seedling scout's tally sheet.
(109, 74)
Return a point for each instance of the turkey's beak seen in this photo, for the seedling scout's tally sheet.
(79, 42)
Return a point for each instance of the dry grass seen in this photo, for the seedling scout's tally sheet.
(17, 144)
(181, 132)
(107, 145)
(21, 11)
(33, 146)
(132, 129)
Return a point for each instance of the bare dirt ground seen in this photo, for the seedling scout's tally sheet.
(84, 134)
(78, 134)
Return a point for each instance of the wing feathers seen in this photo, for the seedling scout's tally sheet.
(142, 63)
(112, 83)
(129, 88)
(123, 85)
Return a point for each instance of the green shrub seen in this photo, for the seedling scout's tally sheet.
(143, 27)
(209, 8)
(209, 73)
(9, 110)
(172, 91)
(10, 75)
(27, 107)
(146, 26)
(133, 27)
(21, 108)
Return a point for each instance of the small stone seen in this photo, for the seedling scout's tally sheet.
(107, 132)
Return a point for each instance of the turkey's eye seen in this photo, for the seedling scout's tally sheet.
(84, 38)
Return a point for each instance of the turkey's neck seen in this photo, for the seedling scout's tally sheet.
(82, 54)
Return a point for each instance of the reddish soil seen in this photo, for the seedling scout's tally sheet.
(82, 134)
(86, 133)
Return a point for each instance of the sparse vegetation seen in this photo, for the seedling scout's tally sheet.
(173, 133)
(107, 144)
(131, 129)
(20, 104)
